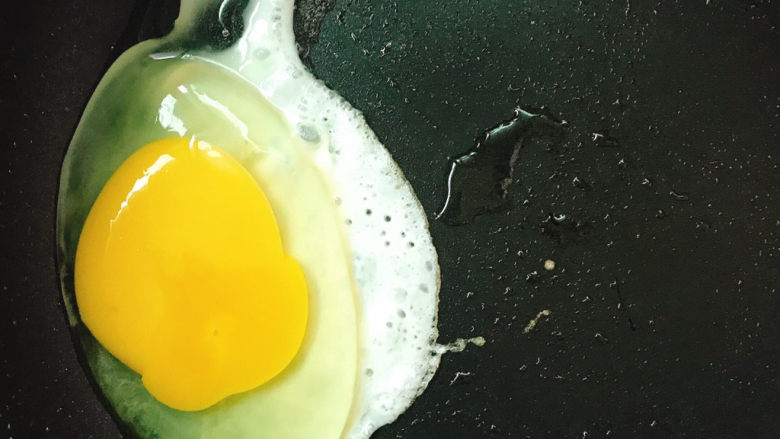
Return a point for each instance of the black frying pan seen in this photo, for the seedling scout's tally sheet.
(658, 203)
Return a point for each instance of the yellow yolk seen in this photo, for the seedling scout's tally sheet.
(180, 273)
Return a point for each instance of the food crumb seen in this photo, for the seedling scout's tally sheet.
(535, 320)
(549, 265)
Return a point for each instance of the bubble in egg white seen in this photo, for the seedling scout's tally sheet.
(260, 53)
(308, 133)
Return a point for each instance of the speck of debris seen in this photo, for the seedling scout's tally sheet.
(532, 324)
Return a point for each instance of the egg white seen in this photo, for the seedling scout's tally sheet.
(380, 230)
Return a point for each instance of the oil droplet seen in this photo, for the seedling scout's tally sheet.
(477, 181)
(564, 229)
(679, 196)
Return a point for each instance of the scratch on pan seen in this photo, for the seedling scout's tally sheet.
(535, 320)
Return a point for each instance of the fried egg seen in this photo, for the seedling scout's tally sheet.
(239, 255)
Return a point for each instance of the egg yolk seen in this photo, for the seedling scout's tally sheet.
(180, 273)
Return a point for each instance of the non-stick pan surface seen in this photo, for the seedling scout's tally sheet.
(659, 205)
